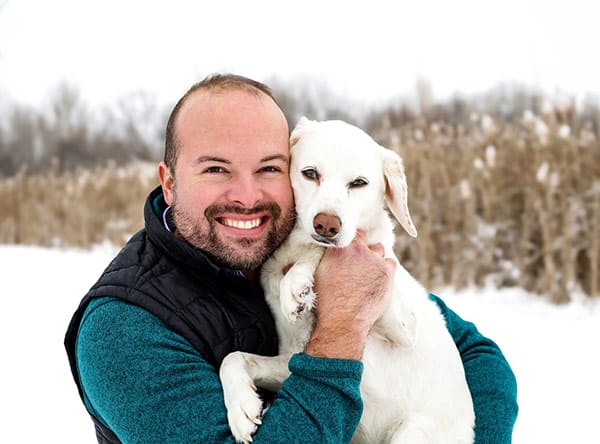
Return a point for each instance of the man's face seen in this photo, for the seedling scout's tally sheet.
(231, 194)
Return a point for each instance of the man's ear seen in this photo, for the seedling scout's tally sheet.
(166, 181)
(396, 189)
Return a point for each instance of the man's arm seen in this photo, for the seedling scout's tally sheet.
(148, 384)
(491, 381)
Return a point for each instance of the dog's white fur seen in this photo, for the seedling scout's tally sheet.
(413, 387)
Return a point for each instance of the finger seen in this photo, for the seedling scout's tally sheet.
(361, 235)
(391, 263)
(377, 248)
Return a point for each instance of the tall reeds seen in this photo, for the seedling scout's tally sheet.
(78, 207)
(506, 202)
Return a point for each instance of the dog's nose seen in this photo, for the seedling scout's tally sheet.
(327, 225)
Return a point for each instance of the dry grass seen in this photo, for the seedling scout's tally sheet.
(74, 208)
(508, 203)
(514, 204)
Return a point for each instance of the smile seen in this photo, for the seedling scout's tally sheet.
(242, 224)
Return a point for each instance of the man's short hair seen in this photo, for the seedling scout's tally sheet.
(214, 83)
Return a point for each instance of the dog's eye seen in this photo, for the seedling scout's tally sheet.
(359, 182)
(310, 173)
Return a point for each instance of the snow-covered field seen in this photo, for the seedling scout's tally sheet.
(554, 351)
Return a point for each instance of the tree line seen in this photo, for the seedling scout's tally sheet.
(504, 187)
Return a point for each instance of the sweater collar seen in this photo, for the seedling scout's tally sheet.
(156, 217)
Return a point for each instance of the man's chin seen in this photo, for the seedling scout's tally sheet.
(243, 253)
(240, 262)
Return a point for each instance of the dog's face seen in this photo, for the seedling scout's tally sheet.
(342, 180)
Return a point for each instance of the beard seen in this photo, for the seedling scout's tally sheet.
(241, 253)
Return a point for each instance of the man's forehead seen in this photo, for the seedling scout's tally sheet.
(214, 98)
(234, 120)
(216, 108)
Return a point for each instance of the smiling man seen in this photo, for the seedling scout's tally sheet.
(232, 197)
(146, 342)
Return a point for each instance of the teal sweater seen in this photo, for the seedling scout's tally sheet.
(149, 385)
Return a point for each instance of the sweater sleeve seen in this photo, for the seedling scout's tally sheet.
(491, 381)
(149, 385)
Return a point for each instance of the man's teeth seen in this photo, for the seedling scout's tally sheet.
(242, 224)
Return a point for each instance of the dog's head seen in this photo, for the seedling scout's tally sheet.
(342, 180)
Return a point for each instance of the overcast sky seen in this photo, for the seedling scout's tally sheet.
(368, 53)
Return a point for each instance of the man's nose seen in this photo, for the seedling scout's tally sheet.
(245, 191)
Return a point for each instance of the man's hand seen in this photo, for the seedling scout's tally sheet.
(353, 285)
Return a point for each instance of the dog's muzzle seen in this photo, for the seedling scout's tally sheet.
(325, 241)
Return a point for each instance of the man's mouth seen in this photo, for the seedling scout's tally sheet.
(242, 224)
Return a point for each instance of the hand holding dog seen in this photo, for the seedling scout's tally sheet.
(353, 285)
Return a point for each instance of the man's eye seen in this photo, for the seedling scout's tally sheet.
(214, 170)
(310, 173)
(271, 169)
(358, 182)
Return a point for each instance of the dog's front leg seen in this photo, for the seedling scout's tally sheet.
(296, 295)
(240, 374)
(268, 372)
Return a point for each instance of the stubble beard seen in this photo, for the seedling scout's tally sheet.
(241, 253)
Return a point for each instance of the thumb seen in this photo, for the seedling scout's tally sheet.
(391, 263)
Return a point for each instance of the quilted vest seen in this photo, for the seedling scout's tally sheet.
(190, 292)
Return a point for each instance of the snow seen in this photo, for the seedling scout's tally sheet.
(41, 289)
(552, 349)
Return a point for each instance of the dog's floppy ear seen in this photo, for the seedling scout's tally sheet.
(298, 130)
(396, 189)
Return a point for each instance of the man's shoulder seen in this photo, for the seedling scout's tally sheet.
(110, 322)
(110, 312)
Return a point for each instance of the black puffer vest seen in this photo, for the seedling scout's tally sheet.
(216, 311)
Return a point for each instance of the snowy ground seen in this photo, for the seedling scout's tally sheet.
(553, 351)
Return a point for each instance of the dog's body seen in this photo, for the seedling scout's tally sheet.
(413, 387)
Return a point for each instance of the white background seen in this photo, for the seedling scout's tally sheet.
(369, 53)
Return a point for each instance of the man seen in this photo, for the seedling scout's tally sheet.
(146, 343)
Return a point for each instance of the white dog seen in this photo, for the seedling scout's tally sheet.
(413, 386)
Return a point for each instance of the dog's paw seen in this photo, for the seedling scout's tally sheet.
(244, 406)
(296, 295)
(244, 415)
